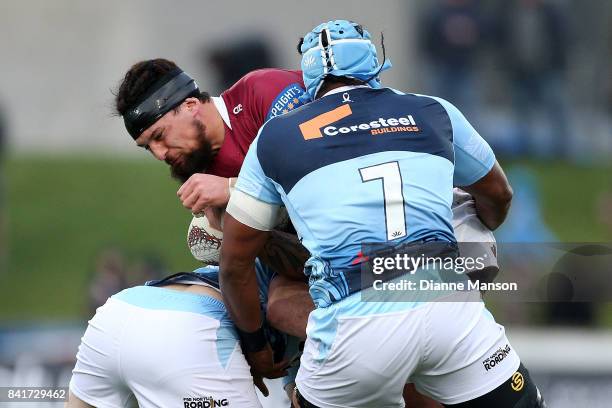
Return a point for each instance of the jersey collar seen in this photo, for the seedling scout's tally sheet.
(344, 89)
(220, 105)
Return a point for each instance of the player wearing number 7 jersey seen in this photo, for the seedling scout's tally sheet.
(364, 164)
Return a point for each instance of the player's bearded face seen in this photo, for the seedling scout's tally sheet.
(195, 161)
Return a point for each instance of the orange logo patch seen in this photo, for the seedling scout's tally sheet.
(312, 129)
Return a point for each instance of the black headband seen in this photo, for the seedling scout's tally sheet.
(166, 95)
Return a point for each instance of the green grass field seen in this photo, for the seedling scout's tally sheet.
(62, 210)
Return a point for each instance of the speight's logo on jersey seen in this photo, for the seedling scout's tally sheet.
(497, 357)
(204, 402)
(288, 99)
(322, 124)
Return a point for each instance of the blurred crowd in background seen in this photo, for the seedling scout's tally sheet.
(115, 271)
(507, 65)
(530, 40)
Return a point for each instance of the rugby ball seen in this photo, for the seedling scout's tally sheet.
(204, 241)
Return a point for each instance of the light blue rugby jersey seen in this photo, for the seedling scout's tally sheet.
(361, 166)
(210, 274)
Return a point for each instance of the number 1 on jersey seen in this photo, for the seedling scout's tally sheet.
(395, 217)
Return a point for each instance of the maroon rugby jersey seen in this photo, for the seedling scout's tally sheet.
(247, 105)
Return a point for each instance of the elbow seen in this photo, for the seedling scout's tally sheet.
(493, 196)
(506, 196)
(503, 200)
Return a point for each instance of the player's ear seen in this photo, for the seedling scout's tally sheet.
(191, 104)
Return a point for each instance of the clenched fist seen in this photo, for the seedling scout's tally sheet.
(204, 190)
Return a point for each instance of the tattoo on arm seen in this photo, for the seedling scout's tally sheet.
(285, 254)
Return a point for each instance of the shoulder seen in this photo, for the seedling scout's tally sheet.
(446, 105)
(431, 108)
(415, 99)
(282, 131)
(271, 75)
(424, 99)
(265, 86)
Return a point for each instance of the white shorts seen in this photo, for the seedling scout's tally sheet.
(360, 354)
(156, 347)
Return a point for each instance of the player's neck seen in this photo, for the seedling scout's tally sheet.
(214, 122)
(329, 86)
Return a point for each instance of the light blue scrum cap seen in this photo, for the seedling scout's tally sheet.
(340, 48)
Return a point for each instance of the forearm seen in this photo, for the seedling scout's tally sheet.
(492, 195)
(289, 305)
(492, 213)
(237, 277)
(241, 295)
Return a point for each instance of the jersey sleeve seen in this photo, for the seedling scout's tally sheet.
(255, 201)
(253, 181)
(275, 92)
(474, 158)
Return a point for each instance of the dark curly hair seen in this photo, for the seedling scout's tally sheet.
(137, 81)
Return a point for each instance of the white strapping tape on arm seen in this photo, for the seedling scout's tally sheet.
(252, 212)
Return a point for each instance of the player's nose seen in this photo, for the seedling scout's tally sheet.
(158, 151)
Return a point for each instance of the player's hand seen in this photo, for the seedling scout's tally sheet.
(289, 390)
(262, 363)
(294, 399)
(204, 190)
(259, 383)
(215, 217)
